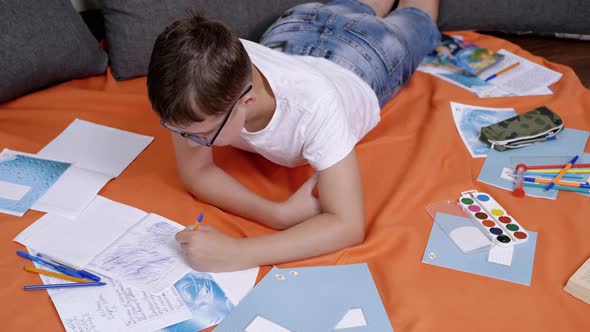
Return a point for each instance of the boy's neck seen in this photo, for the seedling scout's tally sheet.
(263, 109)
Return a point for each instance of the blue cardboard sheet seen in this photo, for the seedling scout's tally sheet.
(441, 251)
(311, 299)
(570, 142)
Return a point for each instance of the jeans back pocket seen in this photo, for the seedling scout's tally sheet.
(382, 40)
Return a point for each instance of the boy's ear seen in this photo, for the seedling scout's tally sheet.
(250, 100)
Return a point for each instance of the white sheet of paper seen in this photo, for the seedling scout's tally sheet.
(13, 191)
(469, 120)
(147, 256)
(115, 307)
(501, 255)
(261, 324)
(95, 147)
(78, 241)
(353, 318)
(72, 193)
(469, 238)
(233, 283)
(522, 80)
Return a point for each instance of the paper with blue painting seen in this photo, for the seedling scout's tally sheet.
(470, 119)
(205, 299)
(24, 179)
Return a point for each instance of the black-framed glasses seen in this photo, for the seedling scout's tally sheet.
(201, 139)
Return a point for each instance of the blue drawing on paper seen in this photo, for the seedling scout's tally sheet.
(205, 299)
(39, 174)
(138, 256)
(471, 122)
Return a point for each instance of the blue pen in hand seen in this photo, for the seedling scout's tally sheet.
(62, 269)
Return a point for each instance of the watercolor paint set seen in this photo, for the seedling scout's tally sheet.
(493, 219)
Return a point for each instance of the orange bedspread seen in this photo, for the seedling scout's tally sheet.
(414, 157)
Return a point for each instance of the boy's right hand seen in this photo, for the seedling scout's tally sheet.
(301, 206)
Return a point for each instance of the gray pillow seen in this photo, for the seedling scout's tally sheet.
(44, 42)
(132, 26)
(537, 16)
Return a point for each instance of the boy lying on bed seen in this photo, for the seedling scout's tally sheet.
(307, 93)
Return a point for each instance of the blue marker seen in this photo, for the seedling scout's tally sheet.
(62, 269)
(84, 274)
(75, 284)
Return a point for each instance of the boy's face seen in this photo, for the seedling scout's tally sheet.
(215, 130)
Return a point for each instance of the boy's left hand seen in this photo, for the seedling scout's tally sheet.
(209, 250)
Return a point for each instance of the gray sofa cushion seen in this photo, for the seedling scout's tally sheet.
(133, 25)
(537, 16)
(44, 42)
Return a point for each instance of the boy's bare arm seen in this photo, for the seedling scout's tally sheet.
(340, 225)
(211, 184)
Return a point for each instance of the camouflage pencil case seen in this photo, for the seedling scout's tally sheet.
(540, 124)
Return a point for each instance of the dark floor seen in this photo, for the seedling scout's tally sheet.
(572, 53)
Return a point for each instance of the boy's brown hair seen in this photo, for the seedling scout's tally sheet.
(198, 67)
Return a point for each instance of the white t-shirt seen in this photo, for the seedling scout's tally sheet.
(322, 110)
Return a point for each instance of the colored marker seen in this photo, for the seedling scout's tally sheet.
(572, 184)
(62, 269)
(569, 171)
(557, 166)
(54, 274)
(199, 221)
(512, 66)
(84, 274)
(539, 185)
(549, 175)
(556, 179)
(72, 285)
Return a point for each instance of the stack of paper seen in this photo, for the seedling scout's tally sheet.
(197, 301)
(526, 79)
(139, 259)
(579, 283)
(116, 240)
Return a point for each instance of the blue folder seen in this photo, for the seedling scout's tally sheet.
(570, 142)
(311, 299)
(441, 251)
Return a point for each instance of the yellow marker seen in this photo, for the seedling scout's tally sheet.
(55, 274)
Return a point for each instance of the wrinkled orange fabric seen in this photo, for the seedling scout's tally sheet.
(412, 158)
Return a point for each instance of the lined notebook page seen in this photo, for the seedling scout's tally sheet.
(95, 147)
(147, 256)
(72, 193)
(77, 241)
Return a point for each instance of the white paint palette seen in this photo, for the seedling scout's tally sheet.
(495, 222)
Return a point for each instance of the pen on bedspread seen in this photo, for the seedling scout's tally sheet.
(51, 286)
(55, 274)
(199, 221)
(62, 269)
(85, 274)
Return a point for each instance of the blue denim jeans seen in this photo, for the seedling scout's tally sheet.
(384, 52)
